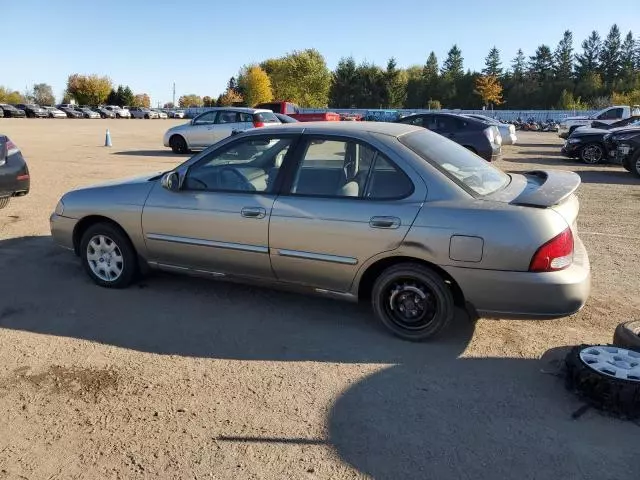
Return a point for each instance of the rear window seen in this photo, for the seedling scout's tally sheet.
(462, 166)
(266, 117)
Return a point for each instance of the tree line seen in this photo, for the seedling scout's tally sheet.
(602, 71)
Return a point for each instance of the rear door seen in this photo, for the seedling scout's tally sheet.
(345, 202)
(226, 123)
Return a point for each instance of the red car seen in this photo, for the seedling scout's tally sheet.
(293, 110)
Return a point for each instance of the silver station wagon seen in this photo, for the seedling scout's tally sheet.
(388, 213)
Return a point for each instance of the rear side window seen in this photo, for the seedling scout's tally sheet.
(386, 181)
(456, 162)
(265, 117)
(246, 118)
(290, 108)
(227, 117)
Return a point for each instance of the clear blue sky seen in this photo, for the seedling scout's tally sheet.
(200, 44)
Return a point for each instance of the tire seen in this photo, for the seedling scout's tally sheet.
(178, 144)
(396, 300)
(627, 335)
(632, 164)
(147, 117)
(4, 201)
(118, 115)
(592, 153)
(619, 396)
(122, 256)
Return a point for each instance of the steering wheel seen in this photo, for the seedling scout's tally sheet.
(240, 182)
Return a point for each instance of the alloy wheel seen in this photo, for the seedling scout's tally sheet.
(105, 258)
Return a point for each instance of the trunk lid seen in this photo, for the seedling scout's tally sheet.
(553, 189)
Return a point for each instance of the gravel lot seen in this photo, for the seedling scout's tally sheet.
(187, 378)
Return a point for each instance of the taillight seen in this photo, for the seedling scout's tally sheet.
(554, 255)
(257, 123)
(11, 148)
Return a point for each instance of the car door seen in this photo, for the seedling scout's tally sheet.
(226, 123)
(200, 131)
(218, 220)
(245, 121)
(345, 202)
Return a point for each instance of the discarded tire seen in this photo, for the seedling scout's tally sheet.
(627, 335)
(607, 377)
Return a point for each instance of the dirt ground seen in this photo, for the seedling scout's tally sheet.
(181, 378)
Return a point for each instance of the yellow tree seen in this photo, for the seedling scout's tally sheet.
(488, 87)
(89, 89)
(141, 100)
(229, 98)
(255, 84)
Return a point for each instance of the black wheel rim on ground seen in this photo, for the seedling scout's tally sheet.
(410, 304)
(592, 154)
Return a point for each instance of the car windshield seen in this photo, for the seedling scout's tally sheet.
(462, 166)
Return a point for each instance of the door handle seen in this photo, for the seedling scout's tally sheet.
(253, 212)
(384, 222)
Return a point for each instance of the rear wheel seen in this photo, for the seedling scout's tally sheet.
(108, 256)
(412, 301)
(632, 164)
(4, 201)
(178, 144)
(592, 153)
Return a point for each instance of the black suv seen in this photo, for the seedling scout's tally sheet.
(623, 146)
(475, 135)
(11, 112)
(32, 110)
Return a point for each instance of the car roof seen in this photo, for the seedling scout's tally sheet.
(345, 128)
(238, 109)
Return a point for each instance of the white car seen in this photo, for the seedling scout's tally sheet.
(142, 112)
(161, 114)
(607, 116)
(176, 114)
(53, 112)
(214, 125)
(119, 111)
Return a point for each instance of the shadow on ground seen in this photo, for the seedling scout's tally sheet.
(433, 415)
(611, 174)
(150, 153)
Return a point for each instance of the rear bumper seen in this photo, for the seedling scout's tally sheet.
(14, 177)
(527, 295)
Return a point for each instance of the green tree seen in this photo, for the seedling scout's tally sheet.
(589, 86)
(453, 65)
(610, 56)
(629, 78)
(492, 63)
(431, 80)
(371, 86)
(10, 96)
(563, 57)
(395, 85)
(301, 77)
(207, 101)
(255, 84)
(414, 87)
(89, 89)
(541, 64)
(519, 65)
(191, 100)
(127, 96)
(568, 102)
(588, 61)
(342, 93)
(43, 94)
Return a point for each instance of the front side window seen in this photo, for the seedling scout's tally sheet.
(459, 164)
(246, 118)
(611, 114)
(249, 165)
(206, 118)
(227, 117)
(346, 168)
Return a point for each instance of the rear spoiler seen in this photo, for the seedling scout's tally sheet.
(547, 188)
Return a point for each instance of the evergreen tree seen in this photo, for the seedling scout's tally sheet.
(610, 56)
(453, 64)
(518, 65)
(342, 93)
(588, 62)
(492, 63)
(430, 79)
(541, 64)
(563, 57)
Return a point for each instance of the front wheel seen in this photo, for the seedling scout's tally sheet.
(178, 144)
(108, 256)
(592, 153)
(412, 301)
(632, 164)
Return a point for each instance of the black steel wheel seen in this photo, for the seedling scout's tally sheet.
(412, 301)
(592, 153)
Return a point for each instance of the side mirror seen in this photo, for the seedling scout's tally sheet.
(171, 181)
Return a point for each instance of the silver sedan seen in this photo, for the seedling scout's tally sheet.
(389, 213)
(214, 125)
(507, 131)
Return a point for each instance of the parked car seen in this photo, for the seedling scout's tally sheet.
(1, 113)
(588, 144)
(214, 125)
(176, 114)
(623, 146)
(53, 112)
(507, 131)
(142, 112)
(119, 111)
(474, 135)
(32, 110)
(87, 112)
(104, 112)
(285, 118)
(160, 113)
(14, 173)
(381, 212)
(10, 111)
(293, 110)
(627, 122)
(71, 112)
(607, 116)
